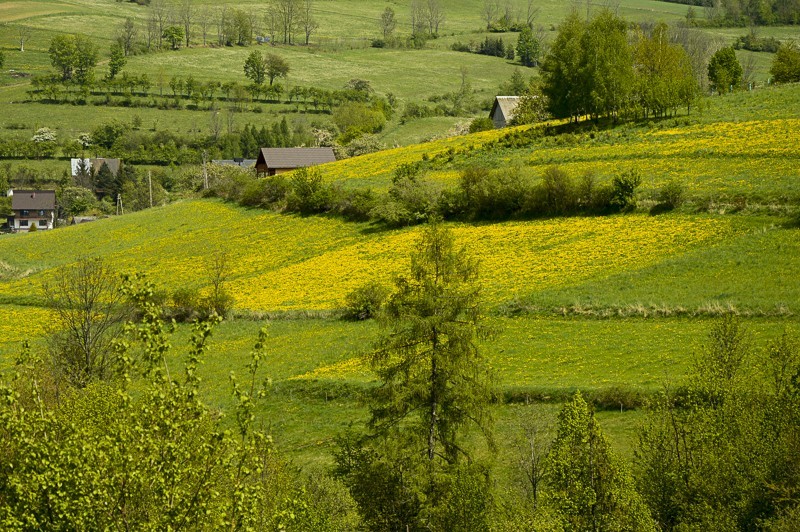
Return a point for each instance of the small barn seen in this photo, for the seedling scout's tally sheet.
(273, 161)
(503, 110)
(32, 207)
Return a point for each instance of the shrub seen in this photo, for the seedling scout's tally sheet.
(786, 64)
(308, 194)
(483, 123)
(559, 191)
(354, 205)
(671, 195)
(366, 301)
(492, 195)
(185, 304)
(33, 228)
(623, 190)
(411, 199)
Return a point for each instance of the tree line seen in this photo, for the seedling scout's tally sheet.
(181, 23)
(742, 12)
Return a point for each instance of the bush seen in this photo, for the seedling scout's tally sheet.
(483, 123)
(308, 194)
(623, 190)
(559, 191)
(671, 195)
(366, 301)
(33, 228)
(411, 199)
(492, 195)
(354, 205)
(185, 305)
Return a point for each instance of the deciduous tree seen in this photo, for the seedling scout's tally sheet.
(117, 61)
(724, 70)
(528, 48)
(786, 64)
(255, 69)
(276, 67)
(89, 310)
(388, 22)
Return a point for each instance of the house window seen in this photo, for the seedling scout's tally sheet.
(41, 213)
(24, 213)
(23, 223)
(42, 223)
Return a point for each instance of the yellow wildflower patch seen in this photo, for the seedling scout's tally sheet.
(280, 262)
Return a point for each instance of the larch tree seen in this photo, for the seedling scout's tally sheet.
(435, 391)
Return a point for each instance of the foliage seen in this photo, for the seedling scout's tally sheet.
(435, 388)
(590, 488)
(664, 76)
(528, 48)
(74, 56)
(388, 22)
(366, 301)
(89, 311)
(672, 195)
(76, 200)
(786, 64)
(105, 457)
(276, 67)
(724, 70)
(532, 107)
(255, 68)
(715, 453)
(117, 61)
(308, 195)
(561, 70)
(623, 190)
(483, 123)
(354, 119)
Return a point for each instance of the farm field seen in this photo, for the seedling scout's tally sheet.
(294, 263)
(610, 252)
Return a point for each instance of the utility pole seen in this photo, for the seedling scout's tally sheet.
(150, 185)
(205, 171)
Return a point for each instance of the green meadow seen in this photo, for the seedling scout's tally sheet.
(616, 307)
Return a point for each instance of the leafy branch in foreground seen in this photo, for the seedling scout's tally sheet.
(143, 452)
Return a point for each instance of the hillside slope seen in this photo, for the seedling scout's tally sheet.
(281, 262)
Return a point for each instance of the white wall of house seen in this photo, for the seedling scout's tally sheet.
(42, 219)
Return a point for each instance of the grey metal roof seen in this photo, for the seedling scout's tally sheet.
(295, 157)
(244, 163)
(33, 200)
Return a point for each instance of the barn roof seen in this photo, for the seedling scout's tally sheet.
(33, 200)
(294, 157)
(507, 105)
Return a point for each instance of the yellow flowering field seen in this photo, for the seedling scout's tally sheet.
(739, 157)
(19, 323)
(280, 262)
(377, 167)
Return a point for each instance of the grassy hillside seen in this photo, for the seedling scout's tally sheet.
(340, 51)
(744, 145)
(290, 263)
